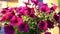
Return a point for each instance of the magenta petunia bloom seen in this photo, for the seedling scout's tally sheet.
(47, 32)
(14, 21)
(11, 9)
(57, 18)
(44, 8)
(28, 11)
(42, 25)
(4, 11)
(31, 13)
(8, 29)
(50, 24)
(9, 16)
(6, 8)
(20, 20)
(19, 9)
(54, 7)
(24, 27)
(3, 19)
(35, 1)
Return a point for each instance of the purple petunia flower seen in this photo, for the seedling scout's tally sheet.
(8, 29)
(42, 25)
(24, 27)
(44, 8)
(50, 24)
(47, 33)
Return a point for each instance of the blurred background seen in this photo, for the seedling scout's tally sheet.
(17, 3)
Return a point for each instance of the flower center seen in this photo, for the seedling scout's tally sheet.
(15, 21)
(11, 27)
(43, 10)
(23, 25)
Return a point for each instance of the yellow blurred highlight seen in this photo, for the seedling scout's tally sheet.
(12, 4)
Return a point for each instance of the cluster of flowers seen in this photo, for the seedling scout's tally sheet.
(26, 20)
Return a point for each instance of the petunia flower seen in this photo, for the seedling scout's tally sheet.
(47, 32)
(8, 29)
(9, 16)
(28, 11)
(50, 24)
(44, 8)
(54, 7)
(24, 27)
(4, 11)
(3, 18)
(11, 9)
(34, 1)
(42, 25)
(14, 21)
(18, 9)
(57, 17)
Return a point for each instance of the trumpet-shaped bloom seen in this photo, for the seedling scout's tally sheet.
(44, 8)
(8, 29)
(14, 21)
(57, 18)
(50, 24)
(42, 25)
(24, 27)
